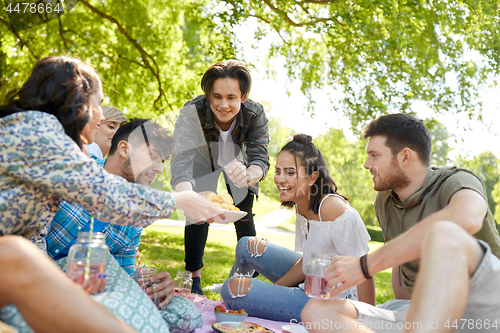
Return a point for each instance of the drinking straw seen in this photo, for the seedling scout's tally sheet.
(138, 262)
(87, 265)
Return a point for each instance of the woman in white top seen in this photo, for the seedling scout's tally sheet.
(325, 223)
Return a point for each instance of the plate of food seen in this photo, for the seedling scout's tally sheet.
(244, 327)
(294, 328)
(224, 315)
(226, 204)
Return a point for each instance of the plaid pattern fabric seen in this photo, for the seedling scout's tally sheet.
(70, 219)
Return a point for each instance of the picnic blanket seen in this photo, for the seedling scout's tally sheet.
(206, 307)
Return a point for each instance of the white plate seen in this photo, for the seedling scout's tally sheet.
(294, 328)
(231, 216)
(241, 327)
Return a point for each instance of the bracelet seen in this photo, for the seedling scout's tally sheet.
(364, 267)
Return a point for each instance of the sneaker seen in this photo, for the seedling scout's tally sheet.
(215, 288)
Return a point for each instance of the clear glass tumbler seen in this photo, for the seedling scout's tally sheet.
(89, 247)
(142, 276)
(315, 284)
(182, 283)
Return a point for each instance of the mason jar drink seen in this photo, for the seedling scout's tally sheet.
(92, 245)
(315, 284)
(142, 276)
(182, 283)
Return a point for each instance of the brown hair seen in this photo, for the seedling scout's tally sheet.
(312, 160)
(60, 86)
(233, 69)
(402, 130)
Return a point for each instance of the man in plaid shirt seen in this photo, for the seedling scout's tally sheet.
(125, 159)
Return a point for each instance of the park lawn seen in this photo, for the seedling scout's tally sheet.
(163, 247)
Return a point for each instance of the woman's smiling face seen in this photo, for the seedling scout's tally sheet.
(95, 116)
(291, 178)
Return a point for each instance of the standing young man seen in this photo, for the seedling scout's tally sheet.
(412, 202)
(220, 131)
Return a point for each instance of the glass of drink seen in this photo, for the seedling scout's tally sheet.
(92, 245)
(315, 284)
(142, 276)
(182, 283)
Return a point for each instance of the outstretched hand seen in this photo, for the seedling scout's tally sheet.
(196, 207)
(345, 270)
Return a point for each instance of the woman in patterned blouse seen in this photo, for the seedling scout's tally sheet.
(42, 130)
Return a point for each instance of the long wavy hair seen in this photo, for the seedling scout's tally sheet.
(60, 86)
(310, 158)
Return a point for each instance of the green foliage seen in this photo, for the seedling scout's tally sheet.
(345, 161)
(440, 146)
(486, 167)
(382, 55)
(376, 234)
(151, 55)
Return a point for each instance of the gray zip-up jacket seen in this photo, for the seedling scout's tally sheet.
(197, 139)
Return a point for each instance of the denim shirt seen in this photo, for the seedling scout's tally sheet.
(197, 139)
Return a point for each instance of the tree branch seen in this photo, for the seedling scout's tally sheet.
(21, 41)
(272, 26)
(145, 56)
(292, 22)
(321, 1)
(61, 32)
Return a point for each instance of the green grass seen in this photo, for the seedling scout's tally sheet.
(163, 247)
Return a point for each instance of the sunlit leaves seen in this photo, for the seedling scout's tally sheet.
(383, 55)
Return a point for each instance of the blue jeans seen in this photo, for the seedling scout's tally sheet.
(266, 300)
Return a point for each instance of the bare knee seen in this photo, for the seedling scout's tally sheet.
(256, 246)
(239, 286)
(444, 234)
(334, 309)
(448, 241)
(15, 250)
